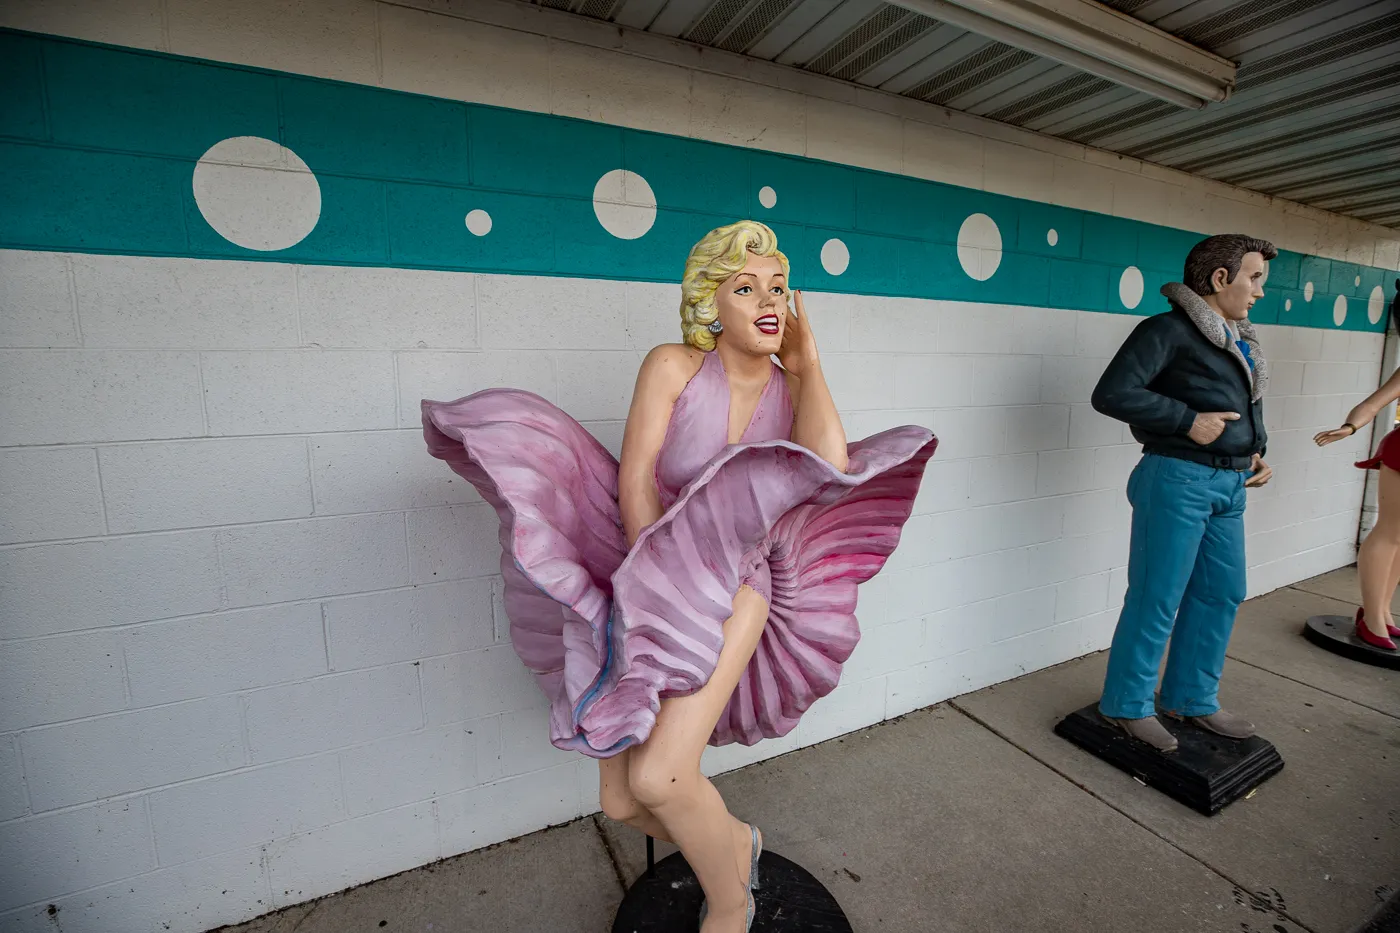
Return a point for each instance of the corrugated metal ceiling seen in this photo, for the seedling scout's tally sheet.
(1315, 116)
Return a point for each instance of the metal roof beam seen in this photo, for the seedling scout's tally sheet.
(1097, 39)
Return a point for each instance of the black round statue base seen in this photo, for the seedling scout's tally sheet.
(1338, 634)
(666, 899)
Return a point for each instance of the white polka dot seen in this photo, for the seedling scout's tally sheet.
(624, 203)
(479, 222)
(835, 256)
(1339, 310)
(257, 193)
(1130, 287)
(767, 197)
(1288, 304)
(979, 247)
(1307, 292)
(1052, 236)
(1375, 305)
(1358, 281)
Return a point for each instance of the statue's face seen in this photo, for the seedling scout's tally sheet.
(1234, 299)
(752, 306)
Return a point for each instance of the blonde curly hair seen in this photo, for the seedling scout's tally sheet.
(720, 254)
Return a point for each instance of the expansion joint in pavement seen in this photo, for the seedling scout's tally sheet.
(612, 853)
(1239, 886)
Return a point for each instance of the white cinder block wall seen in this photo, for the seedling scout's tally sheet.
(251, 650)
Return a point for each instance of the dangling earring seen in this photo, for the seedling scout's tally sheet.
(715, 327)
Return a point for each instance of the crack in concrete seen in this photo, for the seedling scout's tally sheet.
(1108, 803)
(315, 906)
(613, 856)
(1259, 667)
(1304, 683)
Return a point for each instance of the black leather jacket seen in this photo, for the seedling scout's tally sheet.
(1165, 374)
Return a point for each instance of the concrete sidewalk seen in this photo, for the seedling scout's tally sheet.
(972, 816)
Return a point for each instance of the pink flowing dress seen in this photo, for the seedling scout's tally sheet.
(609, 631)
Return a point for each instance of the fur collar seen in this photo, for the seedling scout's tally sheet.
(1213, 327)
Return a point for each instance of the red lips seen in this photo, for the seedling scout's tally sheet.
(768, 324)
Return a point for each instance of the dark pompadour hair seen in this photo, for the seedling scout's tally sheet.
(1221, 252)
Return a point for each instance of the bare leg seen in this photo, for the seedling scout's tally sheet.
(1393, 585)
(618, 801)
(665, 773)
(1379, 554)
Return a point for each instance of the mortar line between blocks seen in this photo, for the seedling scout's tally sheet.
(1243, 886)
(326, 636)
(378, 47)
(422, 702)
(40, 904)
(73, 297)
(165, 25)
(398, 390)
(340, 774)
(247, 741)
(101, 492)
(296, 304)
(23, 778)
(219, 569)
(311, 475)
(612, 855)
(203, 395)
(151, 831)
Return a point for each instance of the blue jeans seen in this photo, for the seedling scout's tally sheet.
(1185, 565)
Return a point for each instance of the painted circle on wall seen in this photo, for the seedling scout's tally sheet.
(1288, 304)
(1052, 236)
(1358, 281)
(1307, 292)
(257, 193)
(1130, 287)
(1339, 310)
(979, 247)
(1375, 305)
(768, 197)
(479, 222)
(836, 258)
(624, 204)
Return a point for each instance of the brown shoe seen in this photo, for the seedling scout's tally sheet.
(1149, 730)
(1221, 722)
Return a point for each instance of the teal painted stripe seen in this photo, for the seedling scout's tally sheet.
(98, 147)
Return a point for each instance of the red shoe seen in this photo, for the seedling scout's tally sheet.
(1363, 633)
(1391, 630)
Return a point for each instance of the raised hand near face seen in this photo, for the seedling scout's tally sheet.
(798, 352)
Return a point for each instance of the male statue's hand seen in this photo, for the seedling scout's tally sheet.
(1209, 425)
(1261, 471)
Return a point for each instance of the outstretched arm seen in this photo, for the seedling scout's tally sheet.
(1365, 413)
(816, 424)
(663, 376)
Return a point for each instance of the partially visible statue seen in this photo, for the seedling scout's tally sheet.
(1191, 384)
(704, 589)
(1378, 561)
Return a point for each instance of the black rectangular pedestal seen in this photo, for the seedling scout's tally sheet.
(1206, 772)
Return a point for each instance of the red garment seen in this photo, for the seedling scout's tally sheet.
(1388, 454)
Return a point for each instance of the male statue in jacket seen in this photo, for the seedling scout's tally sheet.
(1191, 384)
